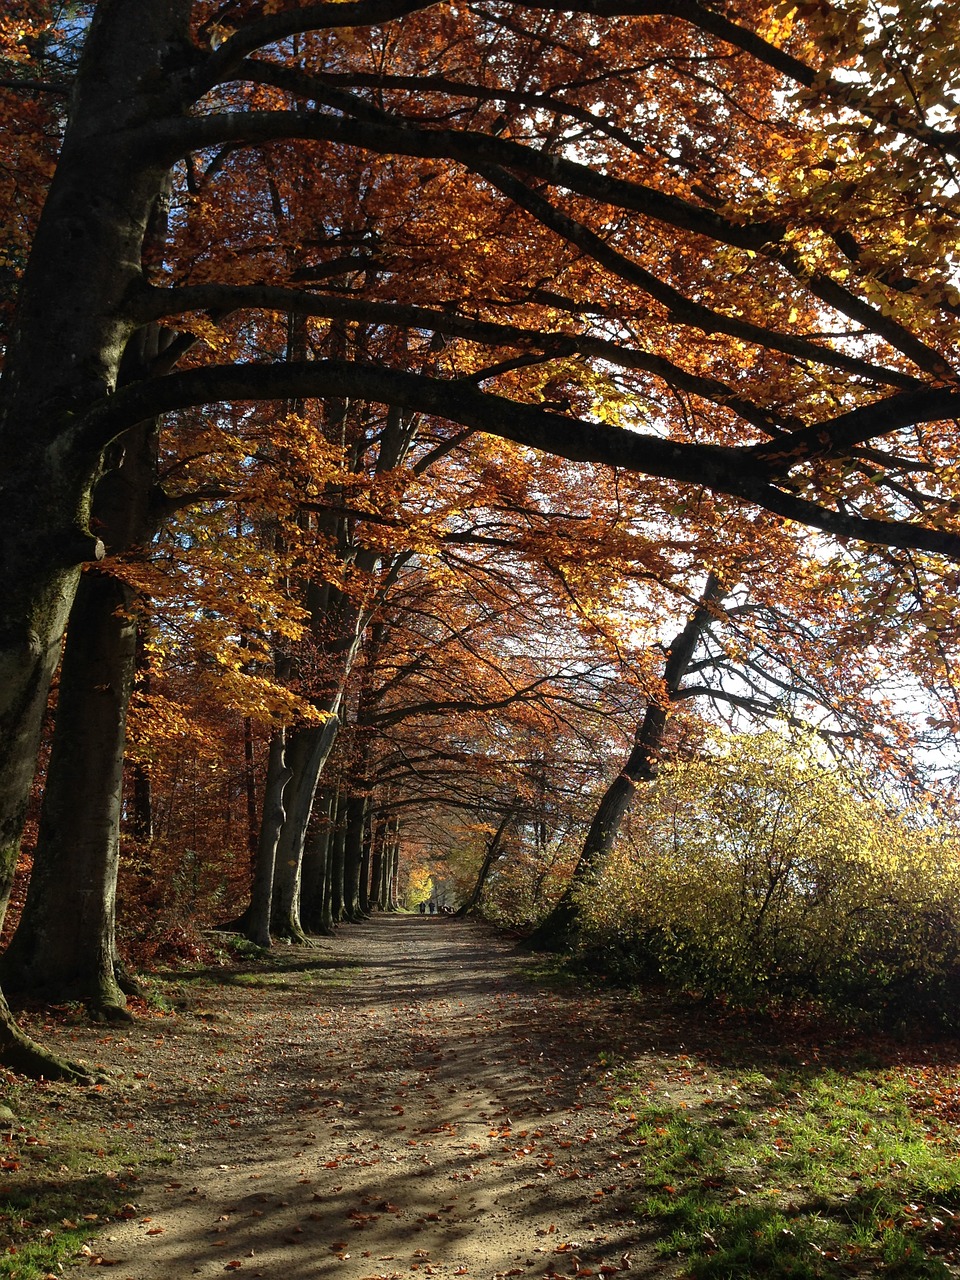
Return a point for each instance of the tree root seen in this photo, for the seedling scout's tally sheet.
(321, 931)
(21, 1054)
(105, 1010)
(296, 938)
(127, 983)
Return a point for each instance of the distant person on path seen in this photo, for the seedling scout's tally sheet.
(423, 907)
(433, 906)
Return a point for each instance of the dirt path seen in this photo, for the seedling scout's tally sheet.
(401, 1102)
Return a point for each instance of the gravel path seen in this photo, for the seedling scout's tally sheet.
(399, 1101)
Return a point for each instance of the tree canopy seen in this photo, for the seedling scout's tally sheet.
(630, 291)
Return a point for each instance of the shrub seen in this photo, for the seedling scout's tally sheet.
(762, 873)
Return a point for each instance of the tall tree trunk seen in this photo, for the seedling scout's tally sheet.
(71, 328)
(250, 790)
(383, 884)
(141, 792)
(377, 900)
(354, 826)
(338, 840)
(365, 862)
(326, 921)
(44, 535)
(65, 944)
(63, 358)
(493, 852)
(338, 623)
(315, 877)
(559, 928)
(256, 919)
(64, 947)
(141, 805)
(392, 867)
(309, 747)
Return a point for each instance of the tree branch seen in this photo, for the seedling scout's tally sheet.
(151, 304)
(224, 61)
(837, 436)
(487, 155)
(730, 470)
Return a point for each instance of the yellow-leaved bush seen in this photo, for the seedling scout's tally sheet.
(763, 873)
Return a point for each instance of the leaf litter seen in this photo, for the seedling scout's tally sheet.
(428, 1111)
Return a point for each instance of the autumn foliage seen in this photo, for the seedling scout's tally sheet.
(408, 370)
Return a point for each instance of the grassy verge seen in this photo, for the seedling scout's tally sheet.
(800, 1173)
(60, 1184)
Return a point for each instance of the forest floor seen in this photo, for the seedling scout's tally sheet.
(409, 1099)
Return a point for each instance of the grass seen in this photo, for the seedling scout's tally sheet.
(327, 974)
(552, 972)
(59, 1184)
(805, 1173)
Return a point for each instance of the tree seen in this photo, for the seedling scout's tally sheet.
(65, 946)
(641, 766)
(494, 850)
(491, 708)
(750, 247)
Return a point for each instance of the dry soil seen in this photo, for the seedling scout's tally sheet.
(399, 1101)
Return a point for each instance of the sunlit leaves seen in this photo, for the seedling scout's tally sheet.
(762, 871)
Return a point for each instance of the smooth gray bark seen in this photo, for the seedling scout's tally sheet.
(64, 947)
(307, 753)
(378, 837)
(338, 842)
(256, 920)
(315, 875)
(365, 861)
(354, 828)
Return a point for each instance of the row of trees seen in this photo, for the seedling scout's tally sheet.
(393, 365)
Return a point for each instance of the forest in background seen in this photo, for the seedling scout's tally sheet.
(443, 425)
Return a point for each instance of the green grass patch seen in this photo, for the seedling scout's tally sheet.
(554, 972)
(60, 1185)
(805, 1174)
(290, 980)
(47, 1221)
(248, 978)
